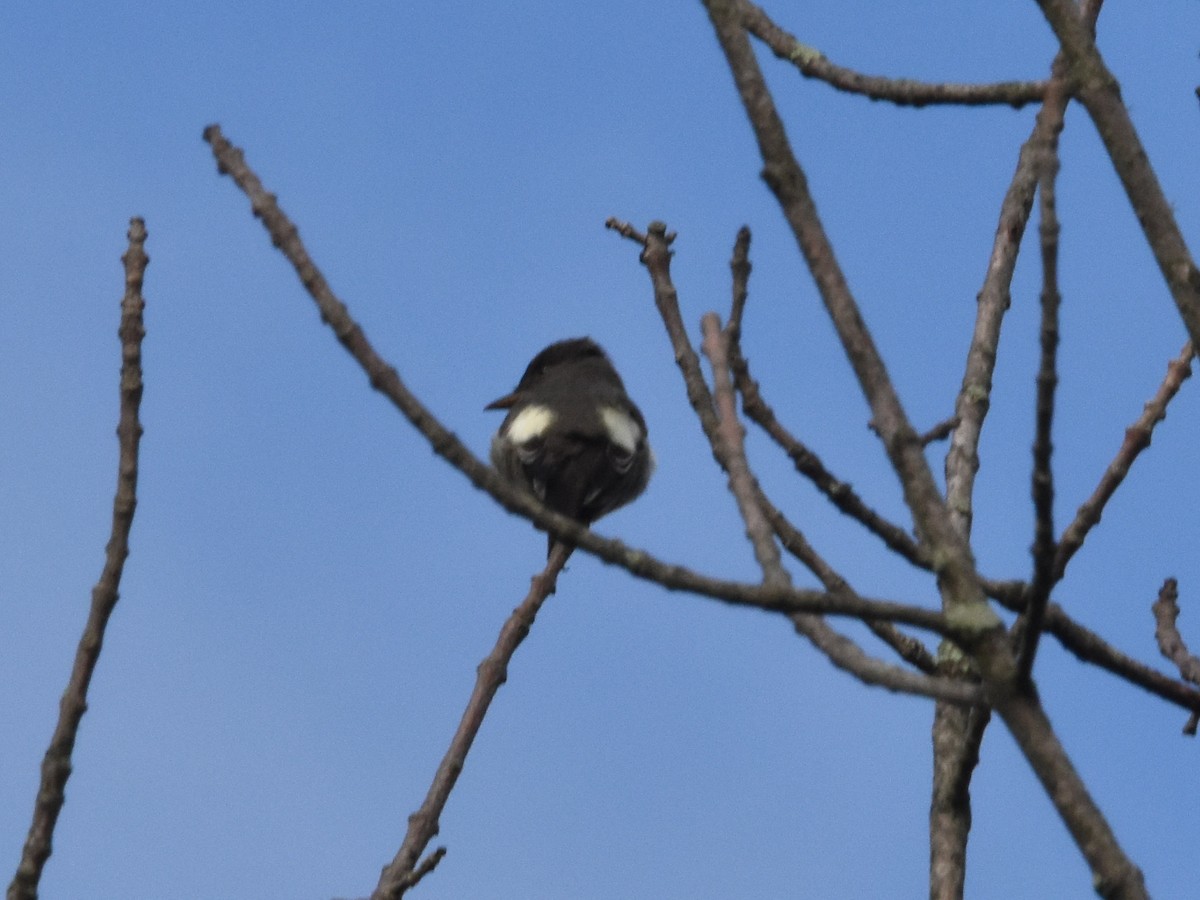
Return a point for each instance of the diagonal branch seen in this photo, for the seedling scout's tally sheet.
(56, 764)
(840, 493)
(1089, 647)
(656, 256)
(974, 397)
(729, 448)
(404, 871)
(909, 648)
(1098, 90)
(1137, 439)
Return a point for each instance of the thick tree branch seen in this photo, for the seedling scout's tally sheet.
(957, 736)
(812, 63)
(56, 764)
(1098, 90)
(404, 871)
(787, 181)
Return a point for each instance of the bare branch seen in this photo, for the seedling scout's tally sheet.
(958, 581)
(1044, 547)
(974, 397)
(1137, 439)
(403, 872)
(850, 658)
(840, 493)
(1089, 647)
(656, 257)
(739, 267)
(1166, 632)
(1098, 90)
(812, 63)
(940, 431)
(908, 648)
(842, 652)
(56, 764)
(1114, 875)
(957, 736)
(728, 447)
(1170, 642)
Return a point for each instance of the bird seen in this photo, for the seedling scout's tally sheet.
(572, 436)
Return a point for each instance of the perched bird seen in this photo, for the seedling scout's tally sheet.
(572, 436)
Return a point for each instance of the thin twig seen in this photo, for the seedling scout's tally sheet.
(811, 63)
(940, 431)
(56, 764)
(403, 872)
(740, 268)
(840, 493)
(1171, 644)
(656, 257)
(1042, 488)
(730, 449)
(1137, 439)
(794, 542)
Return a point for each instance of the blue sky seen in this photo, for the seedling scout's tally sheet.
(310, 589)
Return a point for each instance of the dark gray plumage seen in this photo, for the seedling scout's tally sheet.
(572, 436)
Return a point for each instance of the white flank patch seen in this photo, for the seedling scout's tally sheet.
(622, 429)
(530, 423)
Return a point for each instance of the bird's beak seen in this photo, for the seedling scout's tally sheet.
(504, 402)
